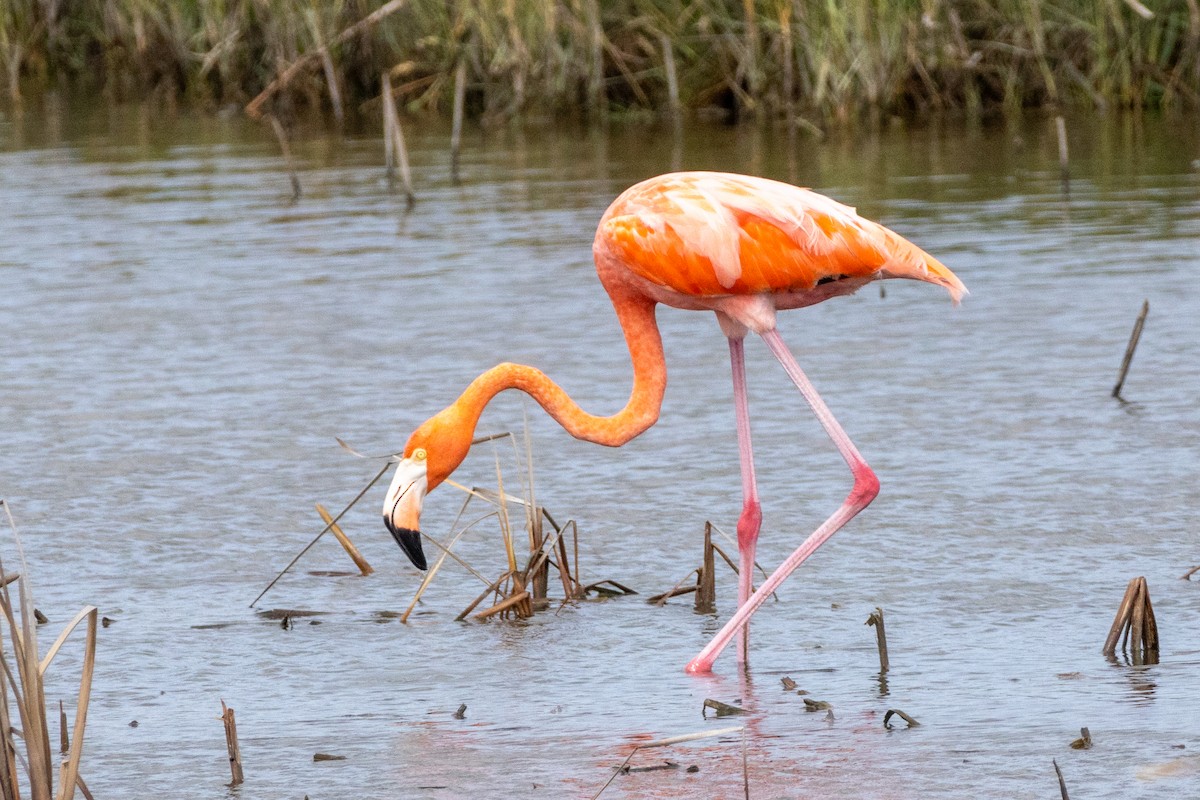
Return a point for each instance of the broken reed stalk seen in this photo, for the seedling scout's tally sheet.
(513, 602)
(1062, 784)
(27, 685)
(492, 587)
(895, 712)
(1129, 348)
(675, 591)
(876, 620)
(395, 150)
(572, 585)
(64, 741)
(730, 562)
(231, 744)
(537, 560)
(705, 585)
(437, 565)
(317, 538)
(344, 540)
(539, 563)
(517, 589)
(1064, 166)
(505, 524)
(460, 96)
(1135, 624)
(281, 135)
(706, 581)
(672, 740)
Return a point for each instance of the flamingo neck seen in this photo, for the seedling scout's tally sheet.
(636, 315)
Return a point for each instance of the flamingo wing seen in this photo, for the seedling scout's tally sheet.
(712, 234)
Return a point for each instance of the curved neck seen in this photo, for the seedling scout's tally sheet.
(636, 315)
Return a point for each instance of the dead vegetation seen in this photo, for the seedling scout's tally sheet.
(23, 670)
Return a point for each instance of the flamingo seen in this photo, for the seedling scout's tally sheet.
(740, 246)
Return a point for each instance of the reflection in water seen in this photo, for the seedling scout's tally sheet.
(181, 348)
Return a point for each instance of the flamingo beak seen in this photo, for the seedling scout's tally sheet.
(402, 507)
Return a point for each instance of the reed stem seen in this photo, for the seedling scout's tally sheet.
(1130, 348)
(231, 744)
(706, 580)
(876, 620)
(837, 61)
(344, 540)
(460, 94)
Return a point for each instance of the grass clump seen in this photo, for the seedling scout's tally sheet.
(23, 697)
(818, 58)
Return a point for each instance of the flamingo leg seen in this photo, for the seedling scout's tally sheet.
(750, 520)
(866, 487)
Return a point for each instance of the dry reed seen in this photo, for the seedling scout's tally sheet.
(1130, 348)
(1062, 783)
(364, 568)
(231, 745)
(876, 620)
(522, 588)
(328, 525)
(1134, 625)
(22, 684)
(395, 150)
(705, 583)
(785, 58)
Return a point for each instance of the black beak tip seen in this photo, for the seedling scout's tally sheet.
(410, 542)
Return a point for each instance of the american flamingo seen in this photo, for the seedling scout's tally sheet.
(740, 246)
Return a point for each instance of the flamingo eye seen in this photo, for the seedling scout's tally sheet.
(419, 454)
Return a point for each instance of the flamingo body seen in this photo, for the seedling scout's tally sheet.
(740, 246)
(698, 237)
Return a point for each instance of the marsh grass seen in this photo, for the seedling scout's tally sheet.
(791, 58)
(23, 689)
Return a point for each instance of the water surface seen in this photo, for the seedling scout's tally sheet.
(182, 344)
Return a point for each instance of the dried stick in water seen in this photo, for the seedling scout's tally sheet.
(231, 743)
(344, 540)
(460, 94)
(281, 135)
(395, 150)
(1064, 166)
(335, 93)
(1062, 784)
(1133, 343)
(317, 538)
(876, 620)
(1135, 624)
(706, 581)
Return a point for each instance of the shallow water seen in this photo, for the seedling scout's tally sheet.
(181, 345)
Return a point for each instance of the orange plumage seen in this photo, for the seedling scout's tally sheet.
(704, 234)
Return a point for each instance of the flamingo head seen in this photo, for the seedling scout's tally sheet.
(433, 452)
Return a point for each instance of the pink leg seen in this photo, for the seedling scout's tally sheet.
(751, 518)
(866, 487)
